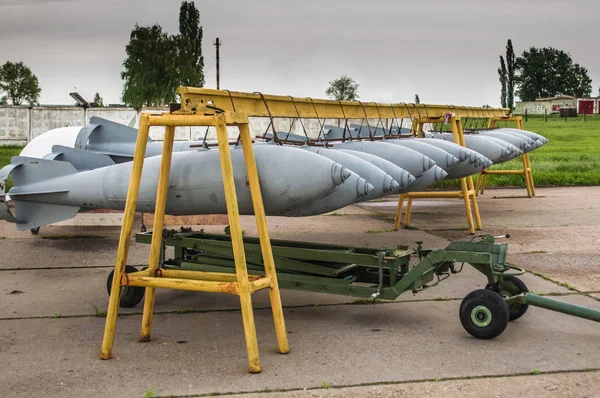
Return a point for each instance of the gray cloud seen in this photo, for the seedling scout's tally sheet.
(445, 52)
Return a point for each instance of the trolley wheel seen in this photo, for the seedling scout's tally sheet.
(35, 231)
(484, 314)
(511, 286)
(130, 295)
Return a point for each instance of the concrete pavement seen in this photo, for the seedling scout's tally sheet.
(50, 335)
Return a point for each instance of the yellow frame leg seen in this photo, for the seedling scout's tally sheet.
(526, 175)
(530, 174)
(399, 212)
(125, 238)
(408, 212)
(465, 194)
(473, 196)
(265, 242)
(157, 229)
(237, 242)
(478, 184)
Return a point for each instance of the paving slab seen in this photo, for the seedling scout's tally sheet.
(81, 291)
(572, 384)
(341, 345)
(70, 252)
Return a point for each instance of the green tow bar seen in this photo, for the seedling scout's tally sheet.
(556, 305)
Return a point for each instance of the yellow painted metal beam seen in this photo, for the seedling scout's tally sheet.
(200, 275)
(183, 284)
(262, 283)
(255, 105)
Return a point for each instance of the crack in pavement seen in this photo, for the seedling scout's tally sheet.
(386, 383)
(358, 302)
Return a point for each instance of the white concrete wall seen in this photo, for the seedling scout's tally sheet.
(14, 125)
(18, 124)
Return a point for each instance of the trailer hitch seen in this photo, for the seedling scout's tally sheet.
(555, 305)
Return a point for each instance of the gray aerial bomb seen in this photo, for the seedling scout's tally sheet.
(403, 177)
(412, 161)
(487, 146)
(455, 150)
(530, 134)
(353, 189)
(383, 184)
(534, 143)
(521, 143)
(47, 191)
(441, 157)
(424, 180)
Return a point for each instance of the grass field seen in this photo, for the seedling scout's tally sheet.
(572, 157)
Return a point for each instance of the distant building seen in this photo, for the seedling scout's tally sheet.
(549, 105)
(555, 104)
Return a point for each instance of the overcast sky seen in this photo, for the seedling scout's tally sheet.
(446, 51)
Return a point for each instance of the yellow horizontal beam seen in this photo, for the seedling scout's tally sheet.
(503, 172)
(182, 284)
(259, 284)
(200, 275)
(434, 195)
(255, 105)
(174, 119)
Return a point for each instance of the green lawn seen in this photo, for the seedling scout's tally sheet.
(6, 152)
(572, 157)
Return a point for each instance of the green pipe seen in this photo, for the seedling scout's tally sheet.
(559, 306)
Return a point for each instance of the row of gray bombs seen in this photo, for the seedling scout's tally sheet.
(94, 173)
(498, 145)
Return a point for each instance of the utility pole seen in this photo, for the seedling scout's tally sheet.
(217, 44)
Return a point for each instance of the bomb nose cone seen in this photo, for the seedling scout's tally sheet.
(409, 179)
(487, 163)
(363, 187)
(339, 173)
(427, 163)
(440, 173)
(451, 160)
(389, 184)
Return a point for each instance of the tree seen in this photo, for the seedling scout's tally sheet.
(510, 76)
(19, 83)
(548, 72)
(502, 72)
(190, 46)
(3, 100)
(417, 99)
(98, 102)
(158, 63)
(344, 88)
(149, 71)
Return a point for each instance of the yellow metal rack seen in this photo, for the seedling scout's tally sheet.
(467, 192)
(525, 172)
(241, 283)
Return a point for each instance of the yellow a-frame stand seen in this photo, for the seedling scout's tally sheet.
(525, 172)
(467, 192)
(239, 283)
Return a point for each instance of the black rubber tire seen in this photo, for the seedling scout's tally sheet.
(484, 314)
(511, 286)
(35, 231)
(130, 295)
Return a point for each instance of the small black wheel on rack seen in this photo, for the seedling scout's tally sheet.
(130, 295)
(484, 314)
(512, 286)
(35, 231)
